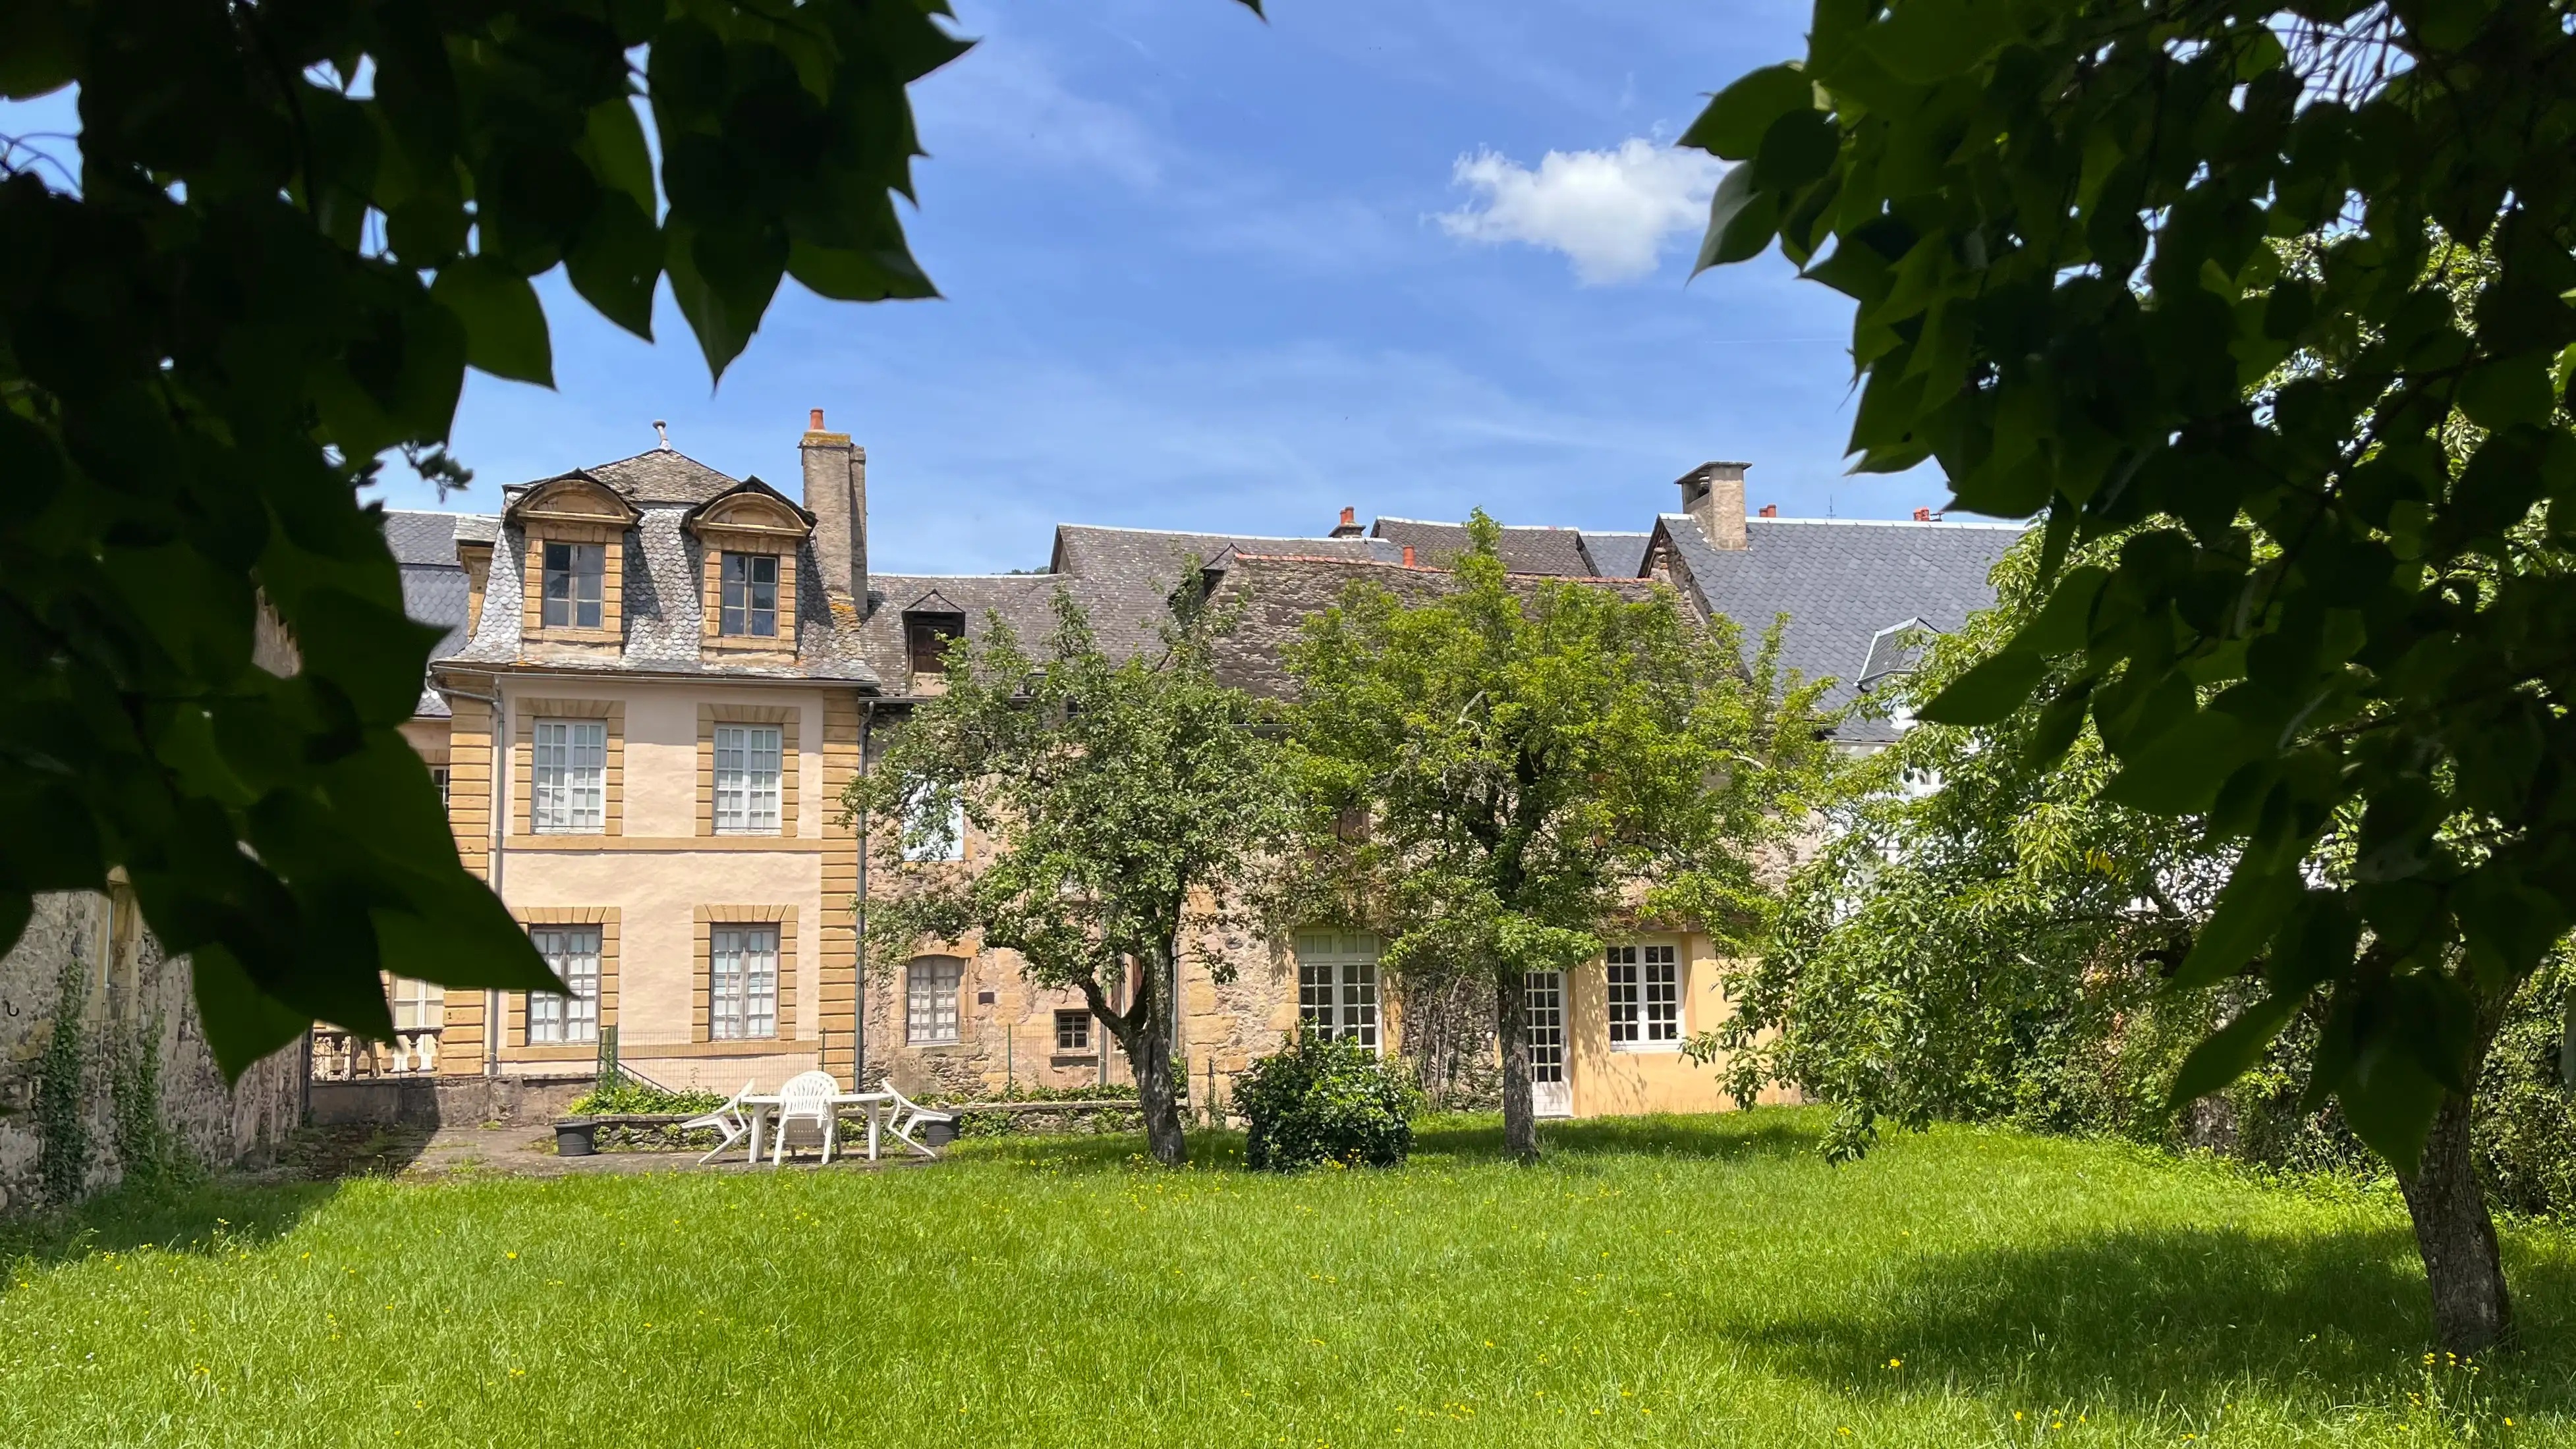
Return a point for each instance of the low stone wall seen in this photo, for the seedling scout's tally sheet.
(446, 1101)
(104, 1068)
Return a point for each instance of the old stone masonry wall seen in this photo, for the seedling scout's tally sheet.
(104, 1070)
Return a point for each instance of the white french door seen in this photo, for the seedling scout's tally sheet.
(1544, 998)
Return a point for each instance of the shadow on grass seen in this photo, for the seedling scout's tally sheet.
(1454, 1139)
(210, 1215)
(2130, 1319)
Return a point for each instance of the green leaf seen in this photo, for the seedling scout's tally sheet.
(1735, 120)
(2509, 390)
(2225, 1054)
(2178, 772)
(2251, 907)
(616, 264)
(1988, 692)
(614, 136)
(505, 326)
(855, 276)
(2389, 1103)
(1925, 41)
(243, 1024)
(2063, 626)
(40, 46)
(1741, 221)
(722, 285)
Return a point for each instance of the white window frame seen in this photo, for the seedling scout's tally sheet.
(1644, 996)
(417, 1005)
(568, 778)
(572, 952)
(1337, 986)
(742, 983)
(748, 763)
(931, 988)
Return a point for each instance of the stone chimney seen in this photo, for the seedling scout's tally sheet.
(836, 493)
(1349, 527)
(1713, 493)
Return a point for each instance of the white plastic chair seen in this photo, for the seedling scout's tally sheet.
(907, 1114)
(808, 1095)
(729, 1120)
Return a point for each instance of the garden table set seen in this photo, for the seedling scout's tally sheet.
(815, 1097)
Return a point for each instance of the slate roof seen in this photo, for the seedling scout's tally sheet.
(433, 582)
(1271, 597)
(662, 570)
(1025, 601)
(1130, 573)
(1616, 555)
(1523, 550)
(1840, 582)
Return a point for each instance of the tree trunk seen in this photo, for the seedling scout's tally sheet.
(1511, 1031)
(1145, 1034)
(2471, 1311)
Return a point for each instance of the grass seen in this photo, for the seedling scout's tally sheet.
(1661, 1281)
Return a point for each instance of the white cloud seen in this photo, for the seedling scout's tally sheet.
(1609, 212)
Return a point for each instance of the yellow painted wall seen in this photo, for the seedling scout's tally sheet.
(658, 871)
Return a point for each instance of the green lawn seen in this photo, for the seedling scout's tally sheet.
(1683, 1280)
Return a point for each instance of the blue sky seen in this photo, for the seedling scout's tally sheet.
(1203, 271)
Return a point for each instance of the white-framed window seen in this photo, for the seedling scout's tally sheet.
(572, 952)
(750, 602)
(438, 777)
(1337, 985)
(931, 838)
(930, 1000)
(418, 1005)
(742, 997)
(1645, 997)
(574, 574)
(569, 788)
(1073, 1031)
(747, 779)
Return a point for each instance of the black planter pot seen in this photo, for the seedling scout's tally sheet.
(936, 1135)
(573, 1139)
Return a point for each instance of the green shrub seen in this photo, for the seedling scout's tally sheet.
(629, 1095)
(1321, 1101)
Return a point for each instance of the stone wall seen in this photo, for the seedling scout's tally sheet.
(136, 1084)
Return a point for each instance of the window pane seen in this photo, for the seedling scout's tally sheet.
(764, 596)
(1663, 995)
(1623, 992)
(1544, 1002)
(1073, 1031)
(743, 990)
(558, 585)
(573, 954)
(730, 621)
(747, 778)
(1359, 1002)
(575, 575)
(930, 999)
(568, 784)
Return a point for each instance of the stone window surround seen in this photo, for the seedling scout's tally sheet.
(748, 523)
(702, 973)
(611, 536)
(613, 773)
(515, 1046)
(790, 720)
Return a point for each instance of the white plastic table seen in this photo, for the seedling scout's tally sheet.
(759, 1106)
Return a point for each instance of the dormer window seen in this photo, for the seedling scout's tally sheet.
(751, 539)
(926, 639)
(572, 574)
(575, 575)
(750, 605)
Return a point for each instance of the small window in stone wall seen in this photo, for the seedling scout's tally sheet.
(750, 604)
(1073, 1031)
